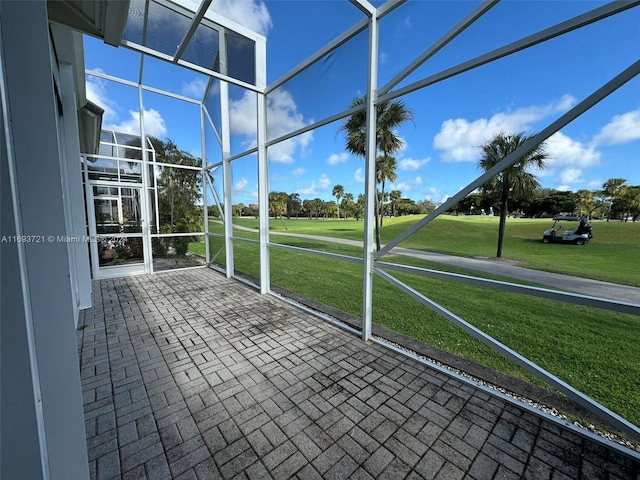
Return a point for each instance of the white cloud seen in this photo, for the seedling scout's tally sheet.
(566, 152)
(407, 186)
(153, 124)
(283, 118)
(316, 187)
(195, 88)
(337, 158)
(571, 176)
(436, 195)
(242, 115)
(97, 93)
(621, 129)
(564, 188)
(240, 186)
(411, 164)
(403, 187)
(460, 138)
(358, 176)
(298, 171)
(251, 14)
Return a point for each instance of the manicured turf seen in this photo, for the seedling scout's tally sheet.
(593, 350)
(613, 254)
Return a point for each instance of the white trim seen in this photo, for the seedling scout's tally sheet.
(263, 194)
(24, 272)
(370, 183)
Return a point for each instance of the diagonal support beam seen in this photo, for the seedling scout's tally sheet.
(580, 21)
(525, 148)
(483, 8)
(195, 23)
(600, 410)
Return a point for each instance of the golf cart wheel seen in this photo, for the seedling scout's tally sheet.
(579, 241)
(545, 239)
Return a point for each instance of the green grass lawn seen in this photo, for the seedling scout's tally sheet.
(613, 255)
(593, 350)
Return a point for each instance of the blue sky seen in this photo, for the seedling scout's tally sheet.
(523, 92)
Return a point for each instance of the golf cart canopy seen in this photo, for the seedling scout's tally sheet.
(568, 218)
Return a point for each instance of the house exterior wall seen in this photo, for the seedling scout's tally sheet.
(42, 429)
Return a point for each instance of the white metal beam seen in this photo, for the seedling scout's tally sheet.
(525, 148)
(205, 184)
(567, 297)
(226, 175)
(601, 411)
(370, 181)
(534, 39)
(195, 23)
(480, 10)
(329, 47)
(365, 7)
(263, 195)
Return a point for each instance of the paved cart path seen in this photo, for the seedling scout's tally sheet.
(584, 286)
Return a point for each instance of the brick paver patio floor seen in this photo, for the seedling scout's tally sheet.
(189, 375)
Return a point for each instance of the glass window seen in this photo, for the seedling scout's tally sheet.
(203, 48)
(165, 28)
(241, 57)
(212, 104)
(135, 22)
(325, 88)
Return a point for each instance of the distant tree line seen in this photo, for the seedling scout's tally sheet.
(290, 205)
(615, 200)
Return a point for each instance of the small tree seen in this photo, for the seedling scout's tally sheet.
(278, 205)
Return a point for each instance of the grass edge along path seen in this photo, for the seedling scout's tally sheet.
(612, 256)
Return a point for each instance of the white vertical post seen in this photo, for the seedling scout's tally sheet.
(79, 251)
(205, 183)
(370, 182)
(263, 165)
(226, 176)
(263, 195)
(91, 220)
(144, 203)
(225, 135)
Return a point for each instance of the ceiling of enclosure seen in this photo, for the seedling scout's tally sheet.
(182, 52)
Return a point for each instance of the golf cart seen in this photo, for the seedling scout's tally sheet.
(576, 234)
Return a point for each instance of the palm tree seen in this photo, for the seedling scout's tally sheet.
(611, 189)
(338, 192)
(389, 116)
(395, 196)
(514, 181)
